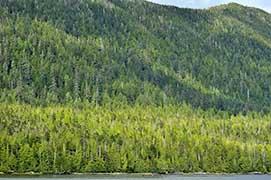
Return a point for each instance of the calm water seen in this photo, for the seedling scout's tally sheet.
(242, 177)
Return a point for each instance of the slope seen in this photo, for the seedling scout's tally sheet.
(135, 52)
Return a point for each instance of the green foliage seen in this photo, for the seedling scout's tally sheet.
(131, 139)
(103, 86)
(92, 51)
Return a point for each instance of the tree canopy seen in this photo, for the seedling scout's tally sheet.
(65, 51)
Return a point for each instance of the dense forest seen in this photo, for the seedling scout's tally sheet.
(132, 86)
(132, 139)
(66, 51)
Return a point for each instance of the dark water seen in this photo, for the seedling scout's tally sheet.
(169, 177)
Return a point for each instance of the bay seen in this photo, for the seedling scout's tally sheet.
(122, 177)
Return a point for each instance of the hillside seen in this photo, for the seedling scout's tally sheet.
(135, 52)
(102, 86)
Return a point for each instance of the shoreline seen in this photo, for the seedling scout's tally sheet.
(34, 174)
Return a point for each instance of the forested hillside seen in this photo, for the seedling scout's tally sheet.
(132, 86)
(134, 52)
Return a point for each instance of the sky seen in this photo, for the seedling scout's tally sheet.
(263, 4)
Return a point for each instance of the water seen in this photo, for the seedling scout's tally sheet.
(169, 177)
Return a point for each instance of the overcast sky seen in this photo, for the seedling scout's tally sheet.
(263, 4)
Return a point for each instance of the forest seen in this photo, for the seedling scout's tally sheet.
(132, 139)
(132, 86)
(90, 50)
